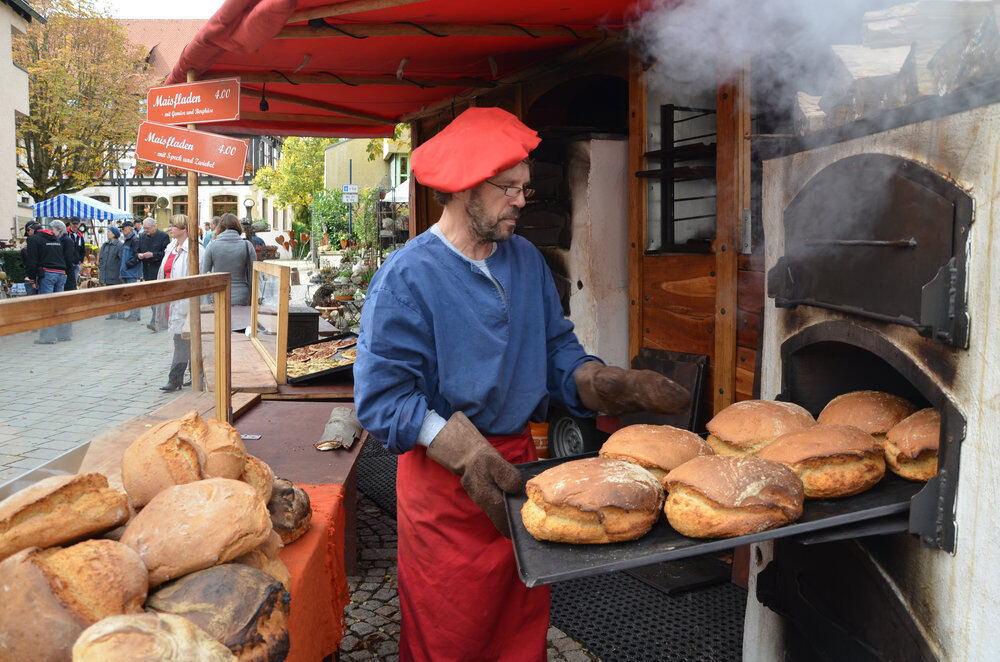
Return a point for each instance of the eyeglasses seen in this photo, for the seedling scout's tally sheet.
(514, 191)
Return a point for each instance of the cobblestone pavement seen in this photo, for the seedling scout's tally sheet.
(56, 397)
(371, 620)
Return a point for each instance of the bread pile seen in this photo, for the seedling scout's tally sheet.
(198, 538)
(744, 428)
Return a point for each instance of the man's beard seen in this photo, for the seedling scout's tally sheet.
(484, 228)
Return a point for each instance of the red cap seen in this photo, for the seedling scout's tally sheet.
(479, 143)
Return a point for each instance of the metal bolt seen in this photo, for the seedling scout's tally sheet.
(723, 311)
(722, 390)
(633, 302)
(647, 329)
(709, 329)
(712, 274)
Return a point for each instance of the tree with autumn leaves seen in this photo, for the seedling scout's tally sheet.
(87, 91)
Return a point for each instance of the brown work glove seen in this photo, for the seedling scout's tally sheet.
(462, 450)
(617, 391)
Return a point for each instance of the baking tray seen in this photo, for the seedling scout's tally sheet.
(329, 372)
(540, 562)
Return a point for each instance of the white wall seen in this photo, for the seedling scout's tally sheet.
(14, 100)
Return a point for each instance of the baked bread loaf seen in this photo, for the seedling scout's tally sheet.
(223, 449)
(745, 427)
(290, 510)
(197, 525)
(911, 446)
(258, 475)
(165, 455)
(148, 638)
(50, 597)
(720, 496)
(243, 608)
(266, 558)
(60, 509)
(830, 460)
(874, 412)
(655, 448)
(593, 500)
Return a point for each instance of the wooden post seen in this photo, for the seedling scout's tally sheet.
(636, 200)
(194, 305)
(223, 376)
(732, 201)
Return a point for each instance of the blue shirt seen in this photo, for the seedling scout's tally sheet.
(438, 334)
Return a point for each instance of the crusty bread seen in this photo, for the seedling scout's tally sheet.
(59, 509)
(148, 638)
(290, 510)
(223, 449)
(655, 448)
(165, 455)
(911, 446)
(719, 496)
(258, 475)
(874, 412)
(243, 608)
(743, 428)
(196, 525)
(593, 500)
(831, 460)
(97, 578)
(266, 558)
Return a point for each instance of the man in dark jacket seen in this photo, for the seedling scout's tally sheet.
(72, 257)
(131, 269)
(47, 261)
(109, 262)
(74, 233)
(30, 286)
(151, 244)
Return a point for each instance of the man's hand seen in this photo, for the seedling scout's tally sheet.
(145, 256)
(462, 450)
(617, 391)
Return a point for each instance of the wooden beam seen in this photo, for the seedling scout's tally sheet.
(732, 200)
(326, 78)
(194, 243)
(310, 119)
(345, 8)
(315, 103)
(636, 200)
(363, 30)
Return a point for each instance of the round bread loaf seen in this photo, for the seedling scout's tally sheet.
(243, 608)
(594, 500)
(266, 558)
(743, 428)
(148, 638)
(258, 475)
(656, 448)
(97, 578)
(719, 496)
(197, 525)
(290, 510)
(874, 412)
(831, 460)
(223, 447)
(165, 455)
(911, 446)
(60, 509)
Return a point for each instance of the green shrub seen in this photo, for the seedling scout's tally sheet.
(13, 265)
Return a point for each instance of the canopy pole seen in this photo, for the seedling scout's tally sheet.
(194, 306)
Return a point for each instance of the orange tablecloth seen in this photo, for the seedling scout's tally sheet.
(319, 585)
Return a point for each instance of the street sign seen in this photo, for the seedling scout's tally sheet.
(350, 198)
(350, 188)
(194, 103)
(207, 153)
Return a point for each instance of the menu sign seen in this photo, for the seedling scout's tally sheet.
(207, 153)
(194, 103)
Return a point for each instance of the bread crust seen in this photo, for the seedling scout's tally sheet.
(266, 558)
(744, 427)
(693, 514)
(289, 509)
(58, 510)
(655, 448)
(165, 455)
(258, 475)
(148, 637)
(222, 445)
(875, 412)
(831, 460)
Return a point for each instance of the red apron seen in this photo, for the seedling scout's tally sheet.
(460, 597)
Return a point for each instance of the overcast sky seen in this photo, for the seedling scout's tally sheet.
(171, 9)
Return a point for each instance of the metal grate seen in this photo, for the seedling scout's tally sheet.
(617, 617)
(377, 476)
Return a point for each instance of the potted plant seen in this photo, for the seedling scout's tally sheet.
(344, 294)
(344, 238)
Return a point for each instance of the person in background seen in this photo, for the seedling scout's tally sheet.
(248, 231)
(131, 269)
(109, 262)
(75, 234)
(174, 265)
(150, 245)
(46, 261)
(137, 225)
(71, 253)
(30, 286)
(213, 228)
(230, 252)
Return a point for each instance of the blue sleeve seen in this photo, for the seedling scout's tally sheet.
(564, 352)
(394, 350)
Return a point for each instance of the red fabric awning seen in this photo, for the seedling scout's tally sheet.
(254, 39)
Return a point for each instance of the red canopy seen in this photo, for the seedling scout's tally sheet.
(357, 67)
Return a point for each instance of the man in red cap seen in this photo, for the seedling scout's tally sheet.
(463, 340)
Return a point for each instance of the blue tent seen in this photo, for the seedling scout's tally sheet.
(69, 205)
